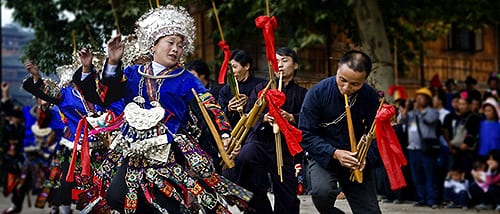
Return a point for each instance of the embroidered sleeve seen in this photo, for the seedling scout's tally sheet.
(215, 109)
(45, 89)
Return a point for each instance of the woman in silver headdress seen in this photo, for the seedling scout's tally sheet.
(163, 166)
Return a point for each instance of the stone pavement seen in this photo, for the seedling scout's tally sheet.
(306, 207)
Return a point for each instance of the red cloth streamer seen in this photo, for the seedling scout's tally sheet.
(227, 54)
(389, 147)
(85, 155)
(41, 117)
(293, 136)
(268, 25)
(102, 90)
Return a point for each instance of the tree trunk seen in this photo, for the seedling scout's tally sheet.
(375, 42)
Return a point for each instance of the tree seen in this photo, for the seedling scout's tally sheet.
(408, 23)
(374, 39)
(53, 24)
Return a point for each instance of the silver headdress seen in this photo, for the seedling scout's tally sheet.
(65, 72)
(165, 21)
(132, 51)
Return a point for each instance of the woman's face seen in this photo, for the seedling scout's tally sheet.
(240, 72)
(348, 80)
(489, 112)
(168, 50)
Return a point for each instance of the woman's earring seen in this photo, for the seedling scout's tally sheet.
(182, 61)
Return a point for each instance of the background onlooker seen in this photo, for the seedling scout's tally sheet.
(493, 87)
(487, 194)
(471, 87)
(422, 123)
(489, 139)
(450, 90)
(200, 69)
(462, 140)
(456, 189)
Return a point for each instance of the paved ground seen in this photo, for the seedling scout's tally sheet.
(307, 207)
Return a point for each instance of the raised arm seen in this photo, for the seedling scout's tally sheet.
(45, 90)
(115, 50)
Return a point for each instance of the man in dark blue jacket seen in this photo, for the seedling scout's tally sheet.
(326, 137)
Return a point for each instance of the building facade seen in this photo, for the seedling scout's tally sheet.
(13, 40)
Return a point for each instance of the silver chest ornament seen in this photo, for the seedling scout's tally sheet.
(143, 133)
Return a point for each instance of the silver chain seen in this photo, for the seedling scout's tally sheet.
(339, 118)
(158, 88)
(141, 86)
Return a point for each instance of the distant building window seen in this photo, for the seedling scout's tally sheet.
(462, 39)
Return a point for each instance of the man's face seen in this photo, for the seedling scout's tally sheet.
(475, 105)
(421, 100)
(348, 80)
(436, 102)
(463, 106)
(240, 72)
(287, 66)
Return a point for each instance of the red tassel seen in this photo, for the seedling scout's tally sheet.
(41, 117)
(227, 54)
(268, 25)
(85, 152)
(293, 136)
(85, 155)
(389, 147)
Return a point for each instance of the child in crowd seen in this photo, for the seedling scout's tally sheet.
(488, 193)
(479, 175)
(488, 139)
(456, 189)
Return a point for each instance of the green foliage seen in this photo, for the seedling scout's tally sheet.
(300, 23)
(93, 23)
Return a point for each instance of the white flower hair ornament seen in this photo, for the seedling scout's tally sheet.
(165, 21)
